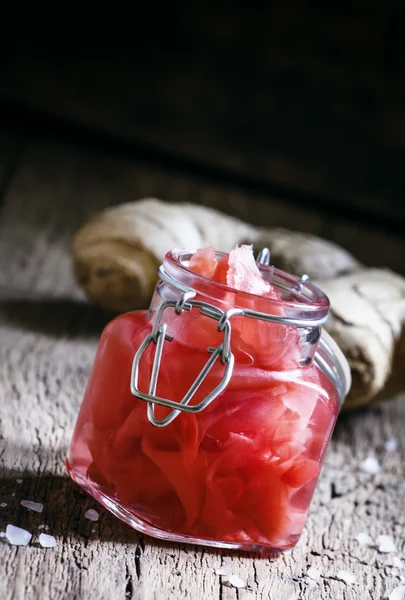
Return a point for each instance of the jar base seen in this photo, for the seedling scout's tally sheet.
(134, 520)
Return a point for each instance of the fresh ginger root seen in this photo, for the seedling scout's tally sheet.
(116, 255)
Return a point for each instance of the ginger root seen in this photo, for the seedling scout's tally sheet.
(367, 319)
(116, 255)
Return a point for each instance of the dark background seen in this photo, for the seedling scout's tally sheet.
(302, 100)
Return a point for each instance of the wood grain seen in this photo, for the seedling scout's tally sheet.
(48, 338)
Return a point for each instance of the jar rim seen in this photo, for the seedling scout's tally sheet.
(309, 300)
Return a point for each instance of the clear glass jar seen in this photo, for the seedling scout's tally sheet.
(237, 466)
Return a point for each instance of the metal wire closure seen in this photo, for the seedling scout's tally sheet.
(158, 337)
(263, 258)
(223, 352)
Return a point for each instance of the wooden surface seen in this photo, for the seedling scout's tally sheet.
(307, 96)
(48, 337)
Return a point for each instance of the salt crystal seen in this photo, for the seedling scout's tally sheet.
(47, 541)
(13, 494)
(397, 593)
(346, 576)
(370, 465)
(41, 526)
(314, 573)
(46, 527)
(236, 581)
(93, 531)
(18, 536)
(3, 504)
(397, 562)
(19, 480)
(386, 543)
(91, 514)
(364, 539)
(391, 445)
(222, 571)
(37, 506)
(2, 534)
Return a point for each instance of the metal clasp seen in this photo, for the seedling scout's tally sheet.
(158, 336)
(223, 352)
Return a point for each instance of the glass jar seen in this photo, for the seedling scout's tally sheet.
(206, 419)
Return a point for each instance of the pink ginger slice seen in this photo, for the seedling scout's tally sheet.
(243, 273)
(204, 262)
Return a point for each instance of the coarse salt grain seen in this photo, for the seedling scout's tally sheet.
(19, 480)
(346, 576)
(2, 534)
(364, 539)
(235, 581)
(314, 573)
(386, 544)
(3, 504)
(47, 541)
(37, 506)
(397, 593)
(46, 527)
(41, 526)
(397, 562)
(370, 465)
(91, 514)
(18, 536)
(391, 445)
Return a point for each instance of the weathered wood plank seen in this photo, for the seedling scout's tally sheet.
(48, 338)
